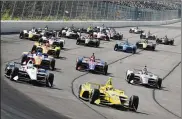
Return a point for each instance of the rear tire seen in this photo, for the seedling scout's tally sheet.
(116, 47)
(23, 59)
(159, 83)
(130, 77)
(53, 61)
(34, 48)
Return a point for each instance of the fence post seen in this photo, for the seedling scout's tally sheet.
(50, 9)
(77, 8)
(13, 10)
(58, 10)
(2, 6)
(64, 9)
(23, 10)
(92, 9)
(42, 10)
(96, 10)
(87, 13)
(108, 5)
(71, 9)
(33, 8)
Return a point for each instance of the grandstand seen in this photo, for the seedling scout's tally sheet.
(91, 10)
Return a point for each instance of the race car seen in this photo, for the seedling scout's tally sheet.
(136, 30)
(87, 41)
(165, 41)
(46, 49)
(143, 77)
(144, 44)
(72, 33)
(114, 35)
(103, 36)
(40, 60)
(33, 34)
(126, 47)
(89, 64)
(27, 72)
(55, 41)
(148, 36)
(62, 32)
(107, 95)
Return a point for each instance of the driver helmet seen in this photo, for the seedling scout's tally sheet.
(109, 87)
(145, 70)
(39, 54)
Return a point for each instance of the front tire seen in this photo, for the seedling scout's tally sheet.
(14, 73)
(159, 83)
(94, 96)
(133, 103)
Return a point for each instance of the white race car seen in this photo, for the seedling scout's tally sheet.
(143, 78)
(72, 34)
(88, 41)
(136, 30)
(27, 72)
(57, 41)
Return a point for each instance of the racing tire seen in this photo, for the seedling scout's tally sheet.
(153, 48)
(61, 45)
(172, 42)
(95, 94)
(133, 103)
(52, 66)
(134, 51)
(21, 36)
(130, 31)
(159, 83)
(105, 69)
(77, 42)
(24, 58)
(116, 47)
(50, 80)
(14, 73)
(34, 48)
(130, 77)
(77, 65)
(57, 52)
(79, 90)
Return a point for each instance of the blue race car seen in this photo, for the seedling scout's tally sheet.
(89, 64)
(126, 47)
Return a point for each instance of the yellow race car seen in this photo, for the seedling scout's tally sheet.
(46, 48)
(107, 95)
(146, 45)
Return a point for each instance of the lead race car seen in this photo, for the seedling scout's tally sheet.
(165, 41)
(136, 30)
(143, 77)
(54, 41)
(88, 41)
(148, 36)
(114, 35)
(40, 60)
(126, 47)
(107, 95)
(90, 64)
(27, 72)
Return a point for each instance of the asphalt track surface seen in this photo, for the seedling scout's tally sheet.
(62, 98)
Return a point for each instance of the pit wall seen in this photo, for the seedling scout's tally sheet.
(17, 26)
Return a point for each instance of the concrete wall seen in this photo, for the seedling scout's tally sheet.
(17, 26)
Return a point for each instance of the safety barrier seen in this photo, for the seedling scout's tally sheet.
(17, 26)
